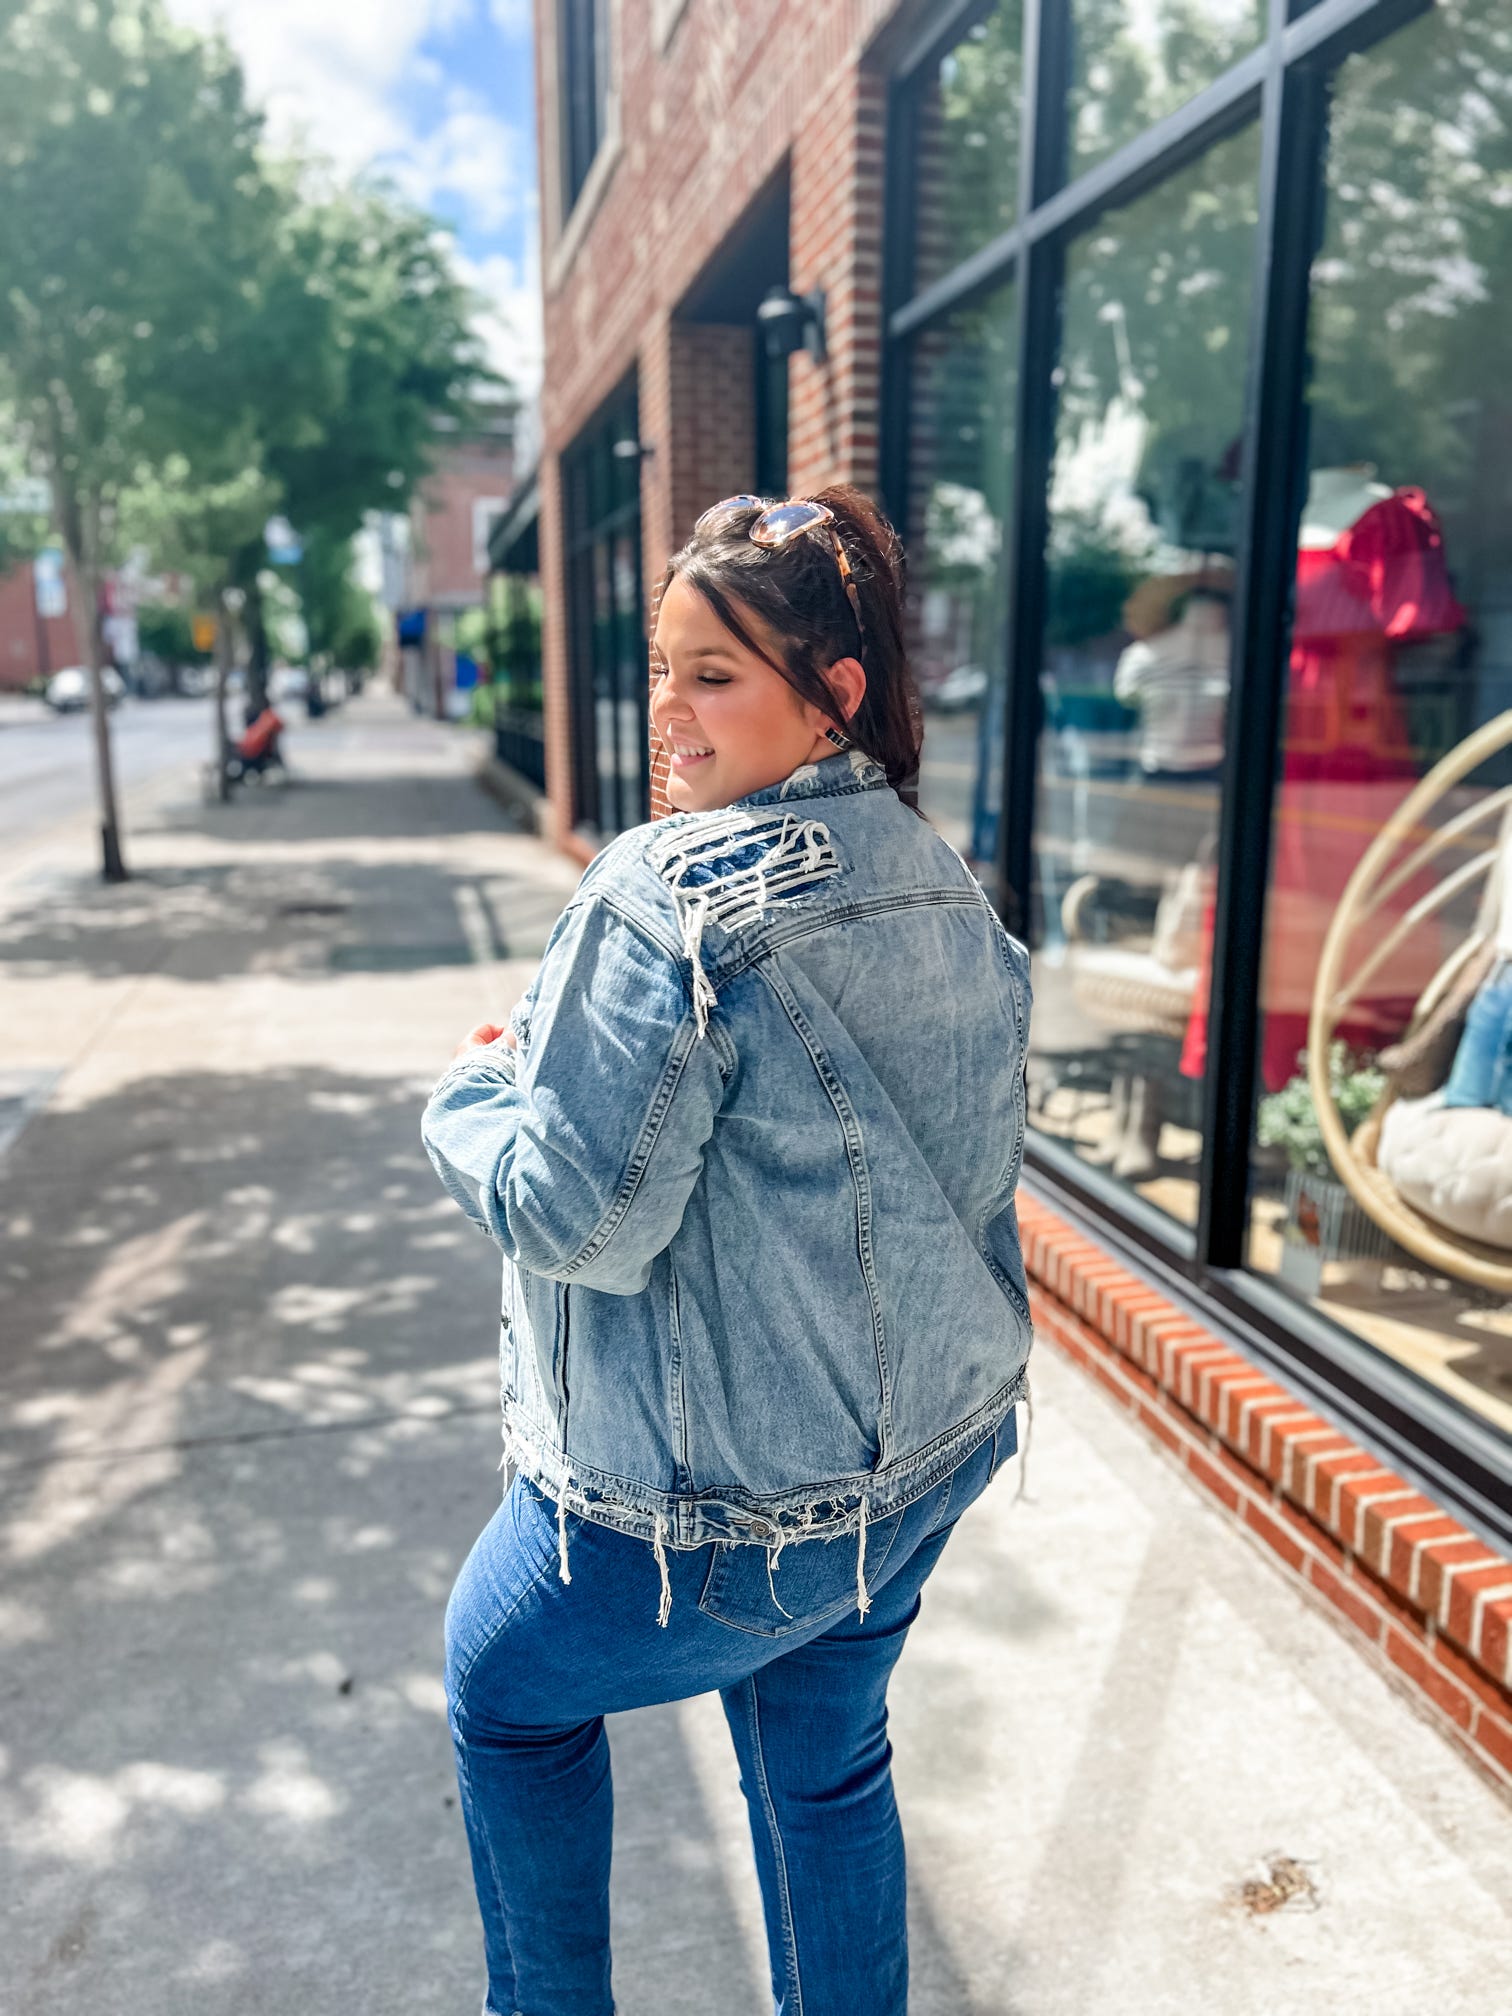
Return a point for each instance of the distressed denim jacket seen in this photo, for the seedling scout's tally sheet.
(752, 1168)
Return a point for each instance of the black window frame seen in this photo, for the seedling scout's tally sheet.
(1284, 84)
(601, 511)
(583, 57)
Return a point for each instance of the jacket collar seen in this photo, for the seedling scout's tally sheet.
(846, 770)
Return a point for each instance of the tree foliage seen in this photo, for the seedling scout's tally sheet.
(130, 230)
(194, 335)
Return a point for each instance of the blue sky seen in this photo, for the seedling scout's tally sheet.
(438, 93)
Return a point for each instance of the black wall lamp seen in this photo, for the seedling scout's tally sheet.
(790, 322)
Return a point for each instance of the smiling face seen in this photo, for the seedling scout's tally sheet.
(709, 693)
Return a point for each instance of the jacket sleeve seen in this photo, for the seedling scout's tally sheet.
(578, 1152)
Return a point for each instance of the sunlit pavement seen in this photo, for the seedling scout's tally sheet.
(250, 1430)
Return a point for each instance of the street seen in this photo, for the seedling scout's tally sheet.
(47, 761)
(250, 1430)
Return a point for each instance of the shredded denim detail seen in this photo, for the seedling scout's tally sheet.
(708, 878)
(659, 1550)
(825, 1516)
(562, 1530)
(774, 1561)
(1018, 1491)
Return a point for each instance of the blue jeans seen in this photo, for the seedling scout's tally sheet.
(1482, 1071)
(533, 1665)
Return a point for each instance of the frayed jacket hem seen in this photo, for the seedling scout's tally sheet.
(685, 1520)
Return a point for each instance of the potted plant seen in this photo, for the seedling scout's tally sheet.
(1321, 1221)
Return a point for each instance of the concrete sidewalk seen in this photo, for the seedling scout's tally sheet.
(250, 1431)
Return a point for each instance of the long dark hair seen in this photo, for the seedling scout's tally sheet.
(797, 592)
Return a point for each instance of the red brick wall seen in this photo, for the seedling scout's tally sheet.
(697, 395)
(704, 127)
(1427, 1601)
(837, 246)
(442, 519)
(20, 656)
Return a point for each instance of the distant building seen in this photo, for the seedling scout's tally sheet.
(438, 570)
(39, 632)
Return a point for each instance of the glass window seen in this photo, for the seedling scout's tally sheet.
(966, 175)
(583, 43)
(608, 668)
(1134, 668)
(1133, 61)
(962, 465)
(1400, 1224)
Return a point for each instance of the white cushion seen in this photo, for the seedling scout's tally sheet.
(1452, 1163)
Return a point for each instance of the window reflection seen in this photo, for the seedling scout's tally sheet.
(1401, 648)
(962, 460)
(1135, 667)
(969, 111)
(1133, 61)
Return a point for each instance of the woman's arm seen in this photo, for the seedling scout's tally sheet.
(578, 1153)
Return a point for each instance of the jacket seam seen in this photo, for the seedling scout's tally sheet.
(916, 1474)
(676, 960)
(774, 939)
(855, 1155)
(640, 1156)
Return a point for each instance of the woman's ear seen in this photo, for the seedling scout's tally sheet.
(846, 679)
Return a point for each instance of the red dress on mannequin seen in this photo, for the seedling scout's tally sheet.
(1347, 763)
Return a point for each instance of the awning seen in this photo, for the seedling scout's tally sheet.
(513, 547)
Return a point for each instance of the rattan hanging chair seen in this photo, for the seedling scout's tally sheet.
(1378, 876)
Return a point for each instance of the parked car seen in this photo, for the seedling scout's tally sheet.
(68, 691)
(958, 690)
(288, 682)
(197, 682)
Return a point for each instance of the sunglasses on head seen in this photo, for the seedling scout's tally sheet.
(779, 523)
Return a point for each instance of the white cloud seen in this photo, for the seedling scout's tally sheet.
(329, 75)
(513, 18)
(323, 69)
(472, 156)
(511, 323)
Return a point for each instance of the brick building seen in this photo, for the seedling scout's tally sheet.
(1208, 545)
(33, 645)
(444, 564)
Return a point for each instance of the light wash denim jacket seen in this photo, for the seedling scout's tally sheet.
(752, 1168)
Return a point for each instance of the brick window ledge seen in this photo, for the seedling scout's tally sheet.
(1430, 1602)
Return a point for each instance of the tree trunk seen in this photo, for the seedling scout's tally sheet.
(223, 664)
(81, 531)
(257, 650)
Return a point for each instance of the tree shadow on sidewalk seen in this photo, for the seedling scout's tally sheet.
(301, 919)
(252, 1405)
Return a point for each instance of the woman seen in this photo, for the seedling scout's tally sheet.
(749, 1145)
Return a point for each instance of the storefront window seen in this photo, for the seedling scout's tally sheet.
(962, 435)
(1133, 61)
(1135, 665)
(514, 649)
(606, 625)
(1401, 648)
(969, 111)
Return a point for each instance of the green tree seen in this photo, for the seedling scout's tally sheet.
(338, 614)
(381, 344)
(133, 206)
(168, 632)
(196, 527)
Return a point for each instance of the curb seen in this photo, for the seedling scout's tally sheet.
(1427, 1600)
